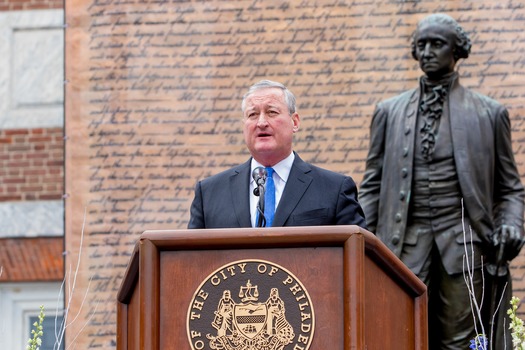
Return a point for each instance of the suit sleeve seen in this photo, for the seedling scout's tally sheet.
(196, 210)
(349, 211)
(508, 190)
(371, 185)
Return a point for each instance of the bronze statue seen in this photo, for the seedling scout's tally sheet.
(440, 162)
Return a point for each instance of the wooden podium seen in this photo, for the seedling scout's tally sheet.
(347, 289)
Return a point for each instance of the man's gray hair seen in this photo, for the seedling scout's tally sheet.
(289, 97)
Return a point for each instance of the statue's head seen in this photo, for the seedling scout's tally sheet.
(438, 43)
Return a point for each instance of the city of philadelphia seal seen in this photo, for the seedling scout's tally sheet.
(251, 305)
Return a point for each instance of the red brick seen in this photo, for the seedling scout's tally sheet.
(18, 148)
(50, 196)
(14, 180)
(55, 162)
(37, 7)
(40, 139)
(18, 156)
(12, 189)
(17, 131)
(32, 162)
(31, 188)
(38, 155)
(38, 131)
(52, 179)
(10, 198)
(33, 179)
(51, 188)
(19, 139)
(29, 172)
(18, 164)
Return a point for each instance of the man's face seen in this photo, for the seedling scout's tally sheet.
(268, 126)
(435, 49)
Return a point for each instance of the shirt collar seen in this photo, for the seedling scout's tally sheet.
(282, 169)
(446, 81)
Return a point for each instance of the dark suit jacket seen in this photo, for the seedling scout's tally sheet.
(488, 177)
(312, 196)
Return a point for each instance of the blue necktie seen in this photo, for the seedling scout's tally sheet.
(269, 198)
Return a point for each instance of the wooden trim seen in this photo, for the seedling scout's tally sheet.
(421, 321)
(354, 271)
(149, 295)
(127, 285)
(122, 330)
(384, 257)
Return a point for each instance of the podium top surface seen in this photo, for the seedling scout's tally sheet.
(341, 236)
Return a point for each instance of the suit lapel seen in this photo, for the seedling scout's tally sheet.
(410, 115)
(460, 125)
(458, 117)
(297, 184)
(239, 183)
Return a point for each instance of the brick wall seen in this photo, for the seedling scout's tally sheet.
(18, 5)
(31, 164)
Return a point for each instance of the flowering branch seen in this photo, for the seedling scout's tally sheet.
(36, 341)
(516, 326)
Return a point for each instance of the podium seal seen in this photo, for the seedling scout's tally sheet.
(251, 305)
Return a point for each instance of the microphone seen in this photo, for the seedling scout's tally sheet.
(259, 175)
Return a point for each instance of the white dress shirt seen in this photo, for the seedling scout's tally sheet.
(280, 176)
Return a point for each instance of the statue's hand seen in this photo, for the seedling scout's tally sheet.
(508, 241)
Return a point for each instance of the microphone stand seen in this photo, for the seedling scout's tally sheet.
(259, 191)
(259, 175)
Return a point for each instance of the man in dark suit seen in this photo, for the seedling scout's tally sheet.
(305, 195)
(434, 151)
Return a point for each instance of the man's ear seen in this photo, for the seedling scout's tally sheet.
(295, 120)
